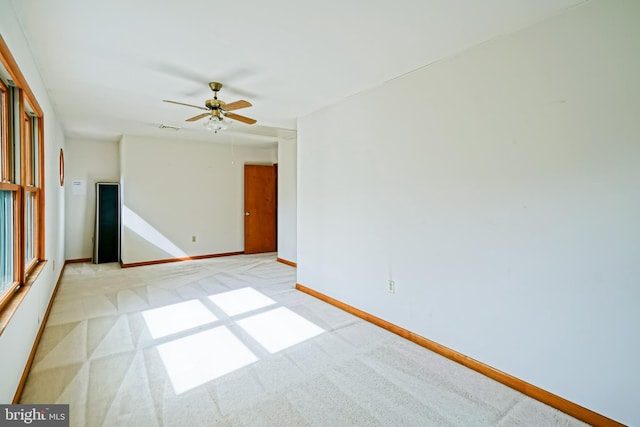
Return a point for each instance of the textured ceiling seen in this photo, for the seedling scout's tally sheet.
(109, 64)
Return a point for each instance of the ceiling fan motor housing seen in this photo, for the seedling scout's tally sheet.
(214, 104)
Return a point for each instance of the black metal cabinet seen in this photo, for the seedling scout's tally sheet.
(106, 242)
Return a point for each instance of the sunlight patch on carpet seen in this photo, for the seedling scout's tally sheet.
(202, 357)
(241, 301)
(178, 317)
(278, 329)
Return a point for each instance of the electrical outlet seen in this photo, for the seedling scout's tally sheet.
(193, 238)
(391, 287)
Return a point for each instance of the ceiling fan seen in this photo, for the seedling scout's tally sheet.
(218, 111)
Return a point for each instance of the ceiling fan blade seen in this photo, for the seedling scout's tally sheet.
(236, 105)
(188, 105)
(240, 118)
(198, 117)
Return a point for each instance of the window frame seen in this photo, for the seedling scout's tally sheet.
(4, 132)
(24, 146)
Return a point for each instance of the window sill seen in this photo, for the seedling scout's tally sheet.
(6, 313)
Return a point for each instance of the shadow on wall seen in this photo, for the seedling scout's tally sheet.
(142, 228)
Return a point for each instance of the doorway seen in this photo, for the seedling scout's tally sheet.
(260, 212)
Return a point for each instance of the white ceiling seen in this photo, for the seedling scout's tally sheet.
(108, 64)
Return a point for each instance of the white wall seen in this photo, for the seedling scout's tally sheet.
(173, 190)
(89, 162)
(287, 200)
(17, 339)
(501, 191)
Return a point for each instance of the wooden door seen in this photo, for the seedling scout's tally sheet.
(259, 209)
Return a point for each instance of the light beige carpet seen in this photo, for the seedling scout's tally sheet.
(230, 342)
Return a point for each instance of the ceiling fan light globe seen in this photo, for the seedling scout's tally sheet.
(211, 124)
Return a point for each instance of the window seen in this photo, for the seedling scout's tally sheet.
(21, 185)
(7, 201)
(31, 190)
